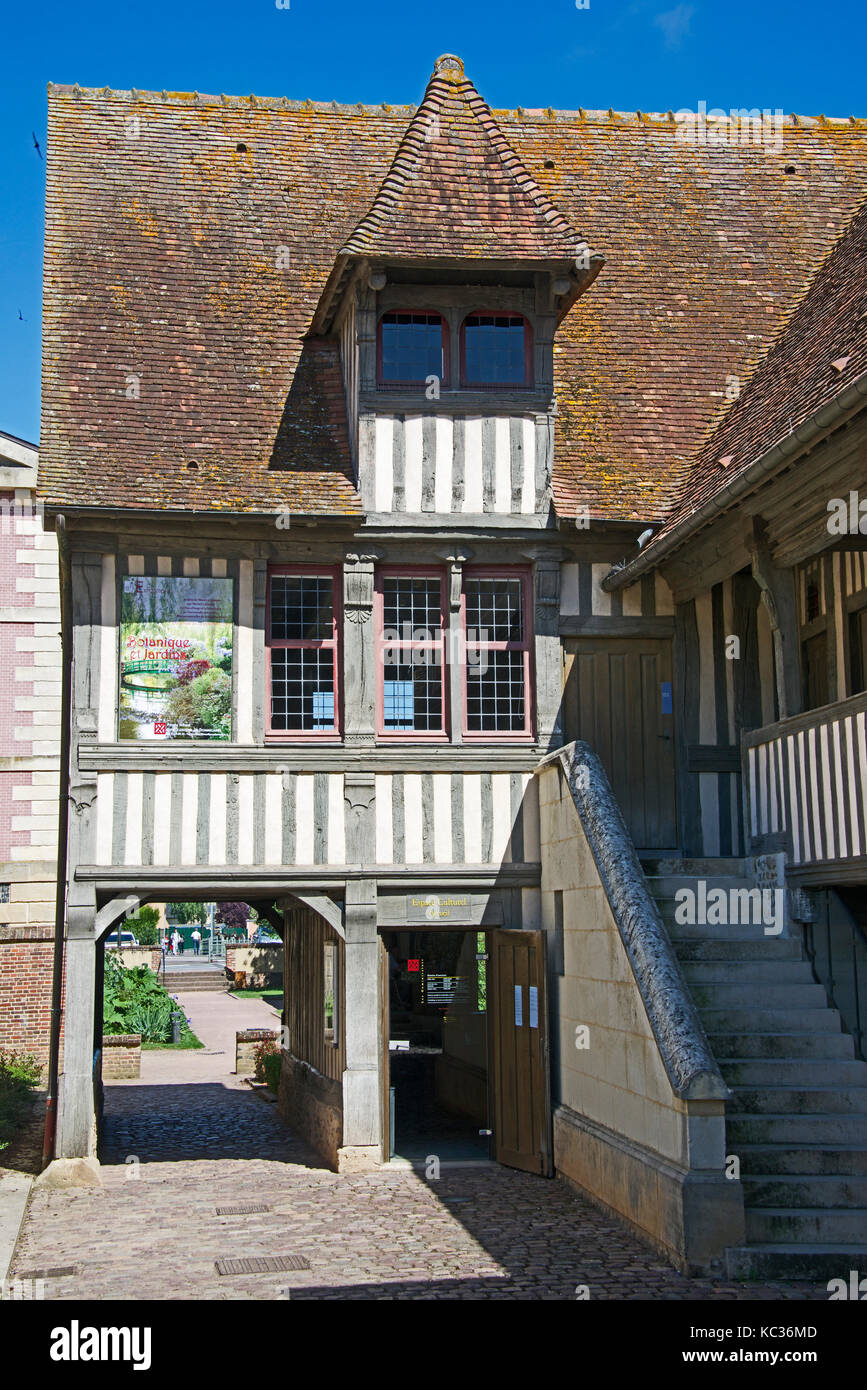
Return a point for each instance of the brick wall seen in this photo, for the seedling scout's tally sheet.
(26, 966)
(30, 659)
(121, 1057)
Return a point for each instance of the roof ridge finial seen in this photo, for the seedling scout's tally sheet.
(450, 67)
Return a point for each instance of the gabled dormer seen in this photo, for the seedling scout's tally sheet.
(446, 298)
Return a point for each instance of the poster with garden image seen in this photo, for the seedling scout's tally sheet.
(176, 658)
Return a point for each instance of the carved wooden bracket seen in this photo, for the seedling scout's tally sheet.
(358, 584)
(359, 790)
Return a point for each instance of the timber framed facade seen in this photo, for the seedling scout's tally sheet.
(444, 624)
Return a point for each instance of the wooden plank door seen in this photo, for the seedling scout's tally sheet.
(619, 699)
(385, 1050)
(519, 1052)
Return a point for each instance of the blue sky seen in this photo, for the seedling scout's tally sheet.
(649, 55)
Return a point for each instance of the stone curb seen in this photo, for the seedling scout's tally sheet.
(14, 1196)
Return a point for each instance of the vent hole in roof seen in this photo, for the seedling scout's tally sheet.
(242, 149)
(789, 169)
(549, 164)
(193, 466)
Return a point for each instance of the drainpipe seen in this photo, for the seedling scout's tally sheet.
(62, 834)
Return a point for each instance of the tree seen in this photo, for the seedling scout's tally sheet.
(145, 924)
(234, 916)
(187, 913)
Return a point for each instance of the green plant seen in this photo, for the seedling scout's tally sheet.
(145, 926)
(271, 1070)
(134, 1001)
(266, 1049)
(20, 1073)
(203, 703)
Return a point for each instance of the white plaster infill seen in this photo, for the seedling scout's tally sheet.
(683, 1046)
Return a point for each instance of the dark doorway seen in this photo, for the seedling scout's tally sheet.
(438, 1044)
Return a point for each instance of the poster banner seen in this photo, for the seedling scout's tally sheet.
(175, 658)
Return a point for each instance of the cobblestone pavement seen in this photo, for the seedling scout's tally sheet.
(481, 1232)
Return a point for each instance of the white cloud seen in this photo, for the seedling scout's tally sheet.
(675, 24)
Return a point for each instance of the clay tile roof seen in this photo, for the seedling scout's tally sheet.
(820, 351)
(189, 239)
(457, 189)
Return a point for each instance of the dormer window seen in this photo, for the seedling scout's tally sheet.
(496, 350)
(412, 348)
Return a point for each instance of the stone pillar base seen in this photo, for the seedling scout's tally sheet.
(70, 1172)
(359, 1158)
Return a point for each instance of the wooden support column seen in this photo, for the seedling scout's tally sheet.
(548, 647)
(76, 1117)
(362, 1079)
(456, 558)
(779, 598)
(359, 686)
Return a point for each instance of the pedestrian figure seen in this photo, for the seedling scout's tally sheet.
(176, 939)
(197, 940)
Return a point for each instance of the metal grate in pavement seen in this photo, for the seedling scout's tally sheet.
(50, 1272)
(243, 1209)
(262, 1264)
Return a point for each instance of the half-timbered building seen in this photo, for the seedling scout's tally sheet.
(443, 503)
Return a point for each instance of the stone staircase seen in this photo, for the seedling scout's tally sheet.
(798, 1122)
(196, 981)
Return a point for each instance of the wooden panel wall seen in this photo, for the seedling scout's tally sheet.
(303, 992)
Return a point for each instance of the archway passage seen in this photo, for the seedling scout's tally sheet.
(200, 1009)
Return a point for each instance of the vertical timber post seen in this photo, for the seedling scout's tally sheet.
(362, 1079)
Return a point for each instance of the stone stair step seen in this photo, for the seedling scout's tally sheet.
(668, 885)
(798, 1130)
(782, 1046)
(818, 1263)
(787, 1190)
(767, 948)
(701, 931)
(747, 1021)
(788, 1071)
(700, 868)
(745, 996)
(800, 1100)
(748, 972)
(823, 1160)
(808, 1225)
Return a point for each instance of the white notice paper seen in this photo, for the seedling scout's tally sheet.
(519, 1007)
(534, 1007)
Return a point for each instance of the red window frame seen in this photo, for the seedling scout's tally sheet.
(295, 643)
(524, 573)
(527, 383)
(440, 735)
(446, 342)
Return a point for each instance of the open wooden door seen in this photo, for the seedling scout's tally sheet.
(385, 1053)
(519, 1052)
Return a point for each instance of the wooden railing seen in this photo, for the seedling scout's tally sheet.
(805, 783)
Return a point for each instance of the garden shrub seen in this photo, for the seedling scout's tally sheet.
(134, 1001)
(268, 1048)
(271, 1063)
(20, 1073)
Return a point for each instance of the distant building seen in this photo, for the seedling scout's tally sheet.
(29, 752)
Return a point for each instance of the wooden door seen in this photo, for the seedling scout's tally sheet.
(619, 699)
(385, 1051)
(520, 1088)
